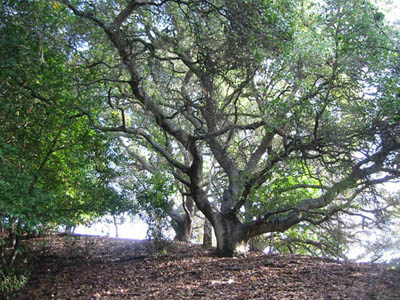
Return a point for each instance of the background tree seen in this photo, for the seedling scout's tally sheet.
(294, 104)
(156, 191)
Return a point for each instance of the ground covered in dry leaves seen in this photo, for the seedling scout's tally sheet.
(79, 267)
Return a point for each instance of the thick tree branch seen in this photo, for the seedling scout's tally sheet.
(266, 143)
(295, 215)
(126, 12)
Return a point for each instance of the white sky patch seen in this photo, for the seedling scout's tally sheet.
(391, 9)
(130, 229)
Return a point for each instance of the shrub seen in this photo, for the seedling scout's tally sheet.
(12, 281)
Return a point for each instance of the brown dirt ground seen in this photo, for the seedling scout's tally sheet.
(91, 268)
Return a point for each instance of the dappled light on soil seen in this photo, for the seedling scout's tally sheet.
(100, 268)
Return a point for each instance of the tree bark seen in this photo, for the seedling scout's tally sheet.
(69, 229)
(207, 235)
(183, 229)
(115, 221)
(182, 222)
(232, 236)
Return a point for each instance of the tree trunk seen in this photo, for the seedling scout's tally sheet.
(182, 223)
(207, 235)
(183, 228)
(232, 236)
(115, 221)
(69, 229)
(9, 249)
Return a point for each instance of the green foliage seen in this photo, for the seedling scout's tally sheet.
(154, 192)
(55, 168)
(153, 203)
(12, 282)
(328, 240)
(283, 189)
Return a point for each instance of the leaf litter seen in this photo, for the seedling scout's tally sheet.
(92, 268)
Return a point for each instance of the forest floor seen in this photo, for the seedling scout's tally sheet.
(91, 268)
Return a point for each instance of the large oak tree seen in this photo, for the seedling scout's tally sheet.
(269, 113)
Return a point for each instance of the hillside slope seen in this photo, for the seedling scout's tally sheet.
(79, 267)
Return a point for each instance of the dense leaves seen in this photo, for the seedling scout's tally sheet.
(54, 168)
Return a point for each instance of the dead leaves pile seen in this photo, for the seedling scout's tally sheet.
(102, 268)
